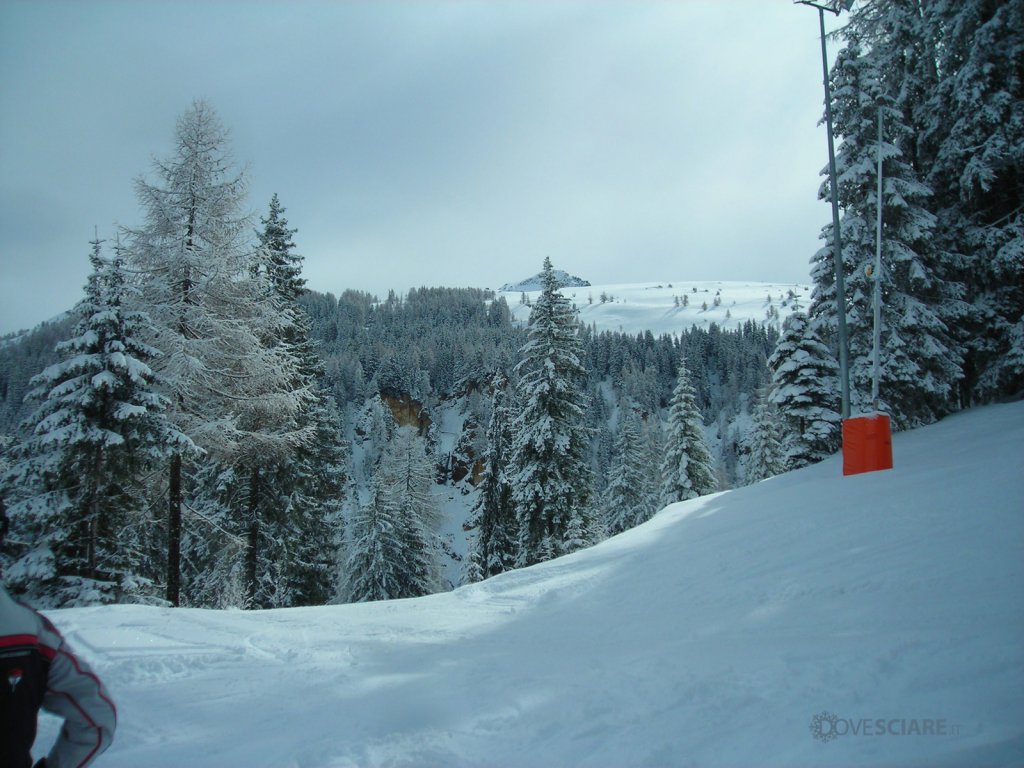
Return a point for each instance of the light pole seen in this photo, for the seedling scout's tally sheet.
(835, 6)
(876, 274)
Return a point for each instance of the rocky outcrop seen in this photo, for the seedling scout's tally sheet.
(408, 412)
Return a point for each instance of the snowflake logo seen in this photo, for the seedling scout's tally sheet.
(824, 726)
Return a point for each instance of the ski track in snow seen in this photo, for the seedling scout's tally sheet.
(709, 636)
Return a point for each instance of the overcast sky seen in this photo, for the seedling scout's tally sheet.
(427, 142)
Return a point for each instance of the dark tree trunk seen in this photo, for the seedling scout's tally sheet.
(174, 491)
(174, 533)
(252, 553)
(91, 562)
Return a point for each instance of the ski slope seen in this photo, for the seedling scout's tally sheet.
(660, 308)
(712, 635)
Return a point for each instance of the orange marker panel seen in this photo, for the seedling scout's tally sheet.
(867, 444)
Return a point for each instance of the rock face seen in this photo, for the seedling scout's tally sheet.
(408, 412)
(565, 280)
(458, 463)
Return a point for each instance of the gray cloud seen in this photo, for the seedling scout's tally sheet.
(426, 143)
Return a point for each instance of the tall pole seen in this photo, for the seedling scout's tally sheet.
(837, 249)
(876, 300)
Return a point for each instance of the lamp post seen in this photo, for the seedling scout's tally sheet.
(835, 6)
(867, 440)
(876, 274)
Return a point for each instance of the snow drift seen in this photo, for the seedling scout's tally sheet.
(808, 620)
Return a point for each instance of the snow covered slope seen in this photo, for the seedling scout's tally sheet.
(672, 307)
(887, 607)
(536, 283)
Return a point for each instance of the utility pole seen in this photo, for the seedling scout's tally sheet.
(876, 297)
(836, 6)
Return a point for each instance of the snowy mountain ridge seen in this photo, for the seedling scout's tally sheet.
(777, 624)
(674, 306)
(535, 283)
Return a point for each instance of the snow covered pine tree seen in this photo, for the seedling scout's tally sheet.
(805, 388)
(687, 470)
(493, 519)
(76, 500)
(630, 498)
(550, 471)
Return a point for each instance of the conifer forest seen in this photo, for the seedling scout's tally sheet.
(203, 429)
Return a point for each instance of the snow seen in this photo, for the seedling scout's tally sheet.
(536, 283)
(638, 307)
(451, 497)
(711, 635)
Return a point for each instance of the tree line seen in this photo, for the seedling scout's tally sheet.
(189, 437)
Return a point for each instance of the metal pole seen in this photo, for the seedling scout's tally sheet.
(844, 370)
(877, 295)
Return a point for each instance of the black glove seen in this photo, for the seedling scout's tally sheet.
(41, 763)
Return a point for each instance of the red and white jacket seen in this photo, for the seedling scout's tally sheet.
(38, 669)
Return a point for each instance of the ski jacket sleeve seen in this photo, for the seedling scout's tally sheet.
(42, 670)
(77, 695)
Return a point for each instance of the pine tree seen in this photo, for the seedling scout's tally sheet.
(393, 545)
(631, 498)
(972, 150)
(214, 566)
(376, 557)
(493, 518)
(321, 497)
(687, 469)
(228, 374)
(805, 387)
(294, 498)
(920, 361)
(98, 424)
(550, 472)
(376, 426)
(947, 74)
(652, 435)
(766, 457)
(419, 515)
(284, 265)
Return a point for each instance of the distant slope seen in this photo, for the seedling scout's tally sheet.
(719, 633)
(671, 307)
(534, 283)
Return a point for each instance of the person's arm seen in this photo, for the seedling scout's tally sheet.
(75, 693)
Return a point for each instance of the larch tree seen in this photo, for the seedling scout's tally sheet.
(550, 469)
(687, 470)
(227, 373)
